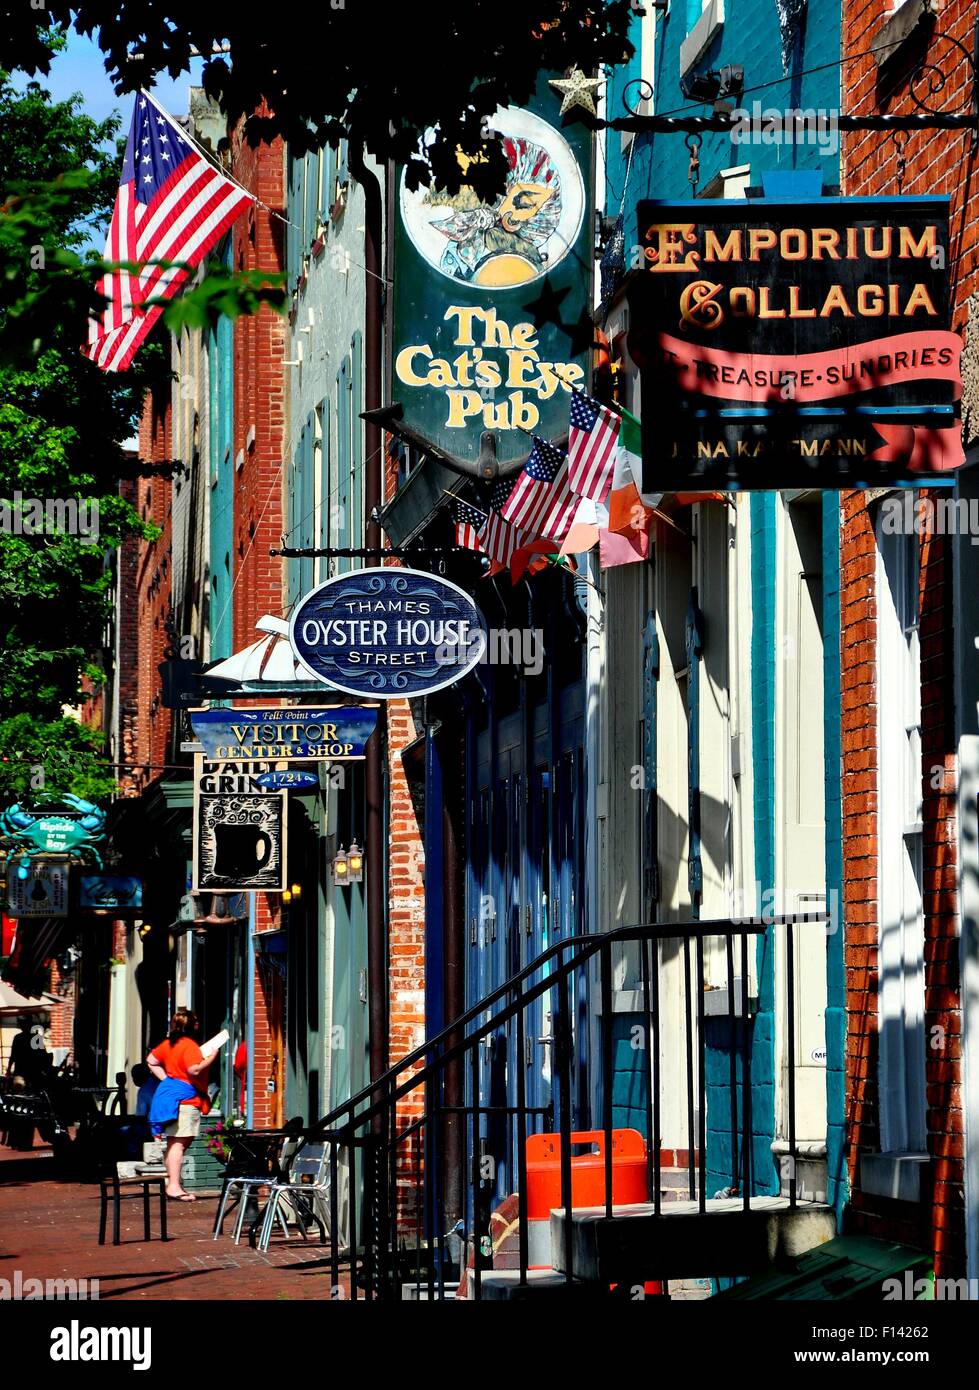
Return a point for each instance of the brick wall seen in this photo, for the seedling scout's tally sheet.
(406, 911)
(62, 1029)
(126, 619)
(935, 162)
(259, 398)
(871, 165)
(258, 578)
(148, 722)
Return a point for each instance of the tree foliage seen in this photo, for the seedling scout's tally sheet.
(380, 75)
(45, 758)
(63, 426)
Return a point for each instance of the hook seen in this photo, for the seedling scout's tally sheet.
(900, 138)
(693, 142)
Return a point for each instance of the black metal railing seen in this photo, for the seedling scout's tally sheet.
(430, 1150)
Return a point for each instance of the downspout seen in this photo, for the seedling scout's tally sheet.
(377, 963)
(250, 1029)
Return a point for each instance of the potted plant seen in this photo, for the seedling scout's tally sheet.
(220, 1140)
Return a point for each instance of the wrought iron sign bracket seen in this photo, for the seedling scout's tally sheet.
(401, 552)
(485, 467)
(925, 83)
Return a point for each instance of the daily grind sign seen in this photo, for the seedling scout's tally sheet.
(801, 344)
(491, 314)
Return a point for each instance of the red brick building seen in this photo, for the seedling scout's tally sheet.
(905, 1115)
(258, 579)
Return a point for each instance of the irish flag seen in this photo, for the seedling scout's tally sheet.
(625, 537)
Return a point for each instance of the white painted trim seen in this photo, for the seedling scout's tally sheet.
(967, 857)
(902, 1122)
(702, 35)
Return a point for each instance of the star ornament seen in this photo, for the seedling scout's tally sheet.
(576, 90)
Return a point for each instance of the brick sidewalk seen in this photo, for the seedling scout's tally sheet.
(50, 1229)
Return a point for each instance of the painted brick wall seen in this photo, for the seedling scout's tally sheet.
(749, 37)
(935, 163)
(406, 908)
(871, 165)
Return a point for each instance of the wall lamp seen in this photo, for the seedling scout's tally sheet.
(715, 85)
(348, 865)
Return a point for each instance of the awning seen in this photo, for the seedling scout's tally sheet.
(415, 503)
(12, 1002)
(36, 944)
(269, 661)
(849, 1267)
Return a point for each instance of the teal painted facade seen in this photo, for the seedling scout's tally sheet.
(835, 966)
(750, 38)
(326, 969)
(657, 166)
(763, 569)
(629, 1082)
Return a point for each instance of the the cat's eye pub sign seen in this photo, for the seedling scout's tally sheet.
(492, 321)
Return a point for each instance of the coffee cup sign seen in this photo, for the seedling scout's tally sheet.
(388, 633)
(240, 841)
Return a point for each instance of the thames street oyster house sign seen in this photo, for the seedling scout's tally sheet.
(388, 633)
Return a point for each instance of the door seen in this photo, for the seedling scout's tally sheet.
(540, 1030)
(800, 815)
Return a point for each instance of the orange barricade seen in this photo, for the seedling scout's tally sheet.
(587, 1170)
(587, 1180)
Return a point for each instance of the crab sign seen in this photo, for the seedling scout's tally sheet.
(66, 825)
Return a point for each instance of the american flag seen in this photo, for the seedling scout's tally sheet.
(497, 538)
(469, 521)
(592, 437)
(542, 502)
(172, 204)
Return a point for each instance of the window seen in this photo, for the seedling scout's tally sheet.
(340, 506)
(312, 198)
(901, 993)
(294, 210)
(327, 567)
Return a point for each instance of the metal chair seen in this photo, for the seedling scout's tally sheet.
(308, 1180)
(259, 1159)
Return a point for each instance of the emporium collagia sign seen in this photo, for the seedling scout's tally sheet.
(388, 633)
(492, 329)
(794, 344)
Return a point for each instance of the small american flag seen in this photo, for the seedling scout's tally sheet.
(592, 437)
(497, 539)
(172, 204)
(542, 502)
(469, 521)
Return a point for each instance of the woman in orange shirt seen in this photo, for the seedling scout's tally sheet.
(180, 1059)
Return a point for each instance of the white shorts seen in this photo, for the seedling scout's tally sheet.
(187, 1124)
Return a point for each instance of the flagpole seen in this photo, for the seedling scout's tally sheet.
(208, 155)
(606, 405)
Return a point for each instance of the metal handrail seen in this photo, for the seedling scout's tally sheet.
(372, 1135)
(590, 944)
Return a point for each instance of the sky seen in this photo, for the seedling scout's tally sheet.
(80, 68)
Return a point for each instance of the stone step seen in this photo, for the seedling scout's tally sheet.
(683, 1242)
(503, 1285)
